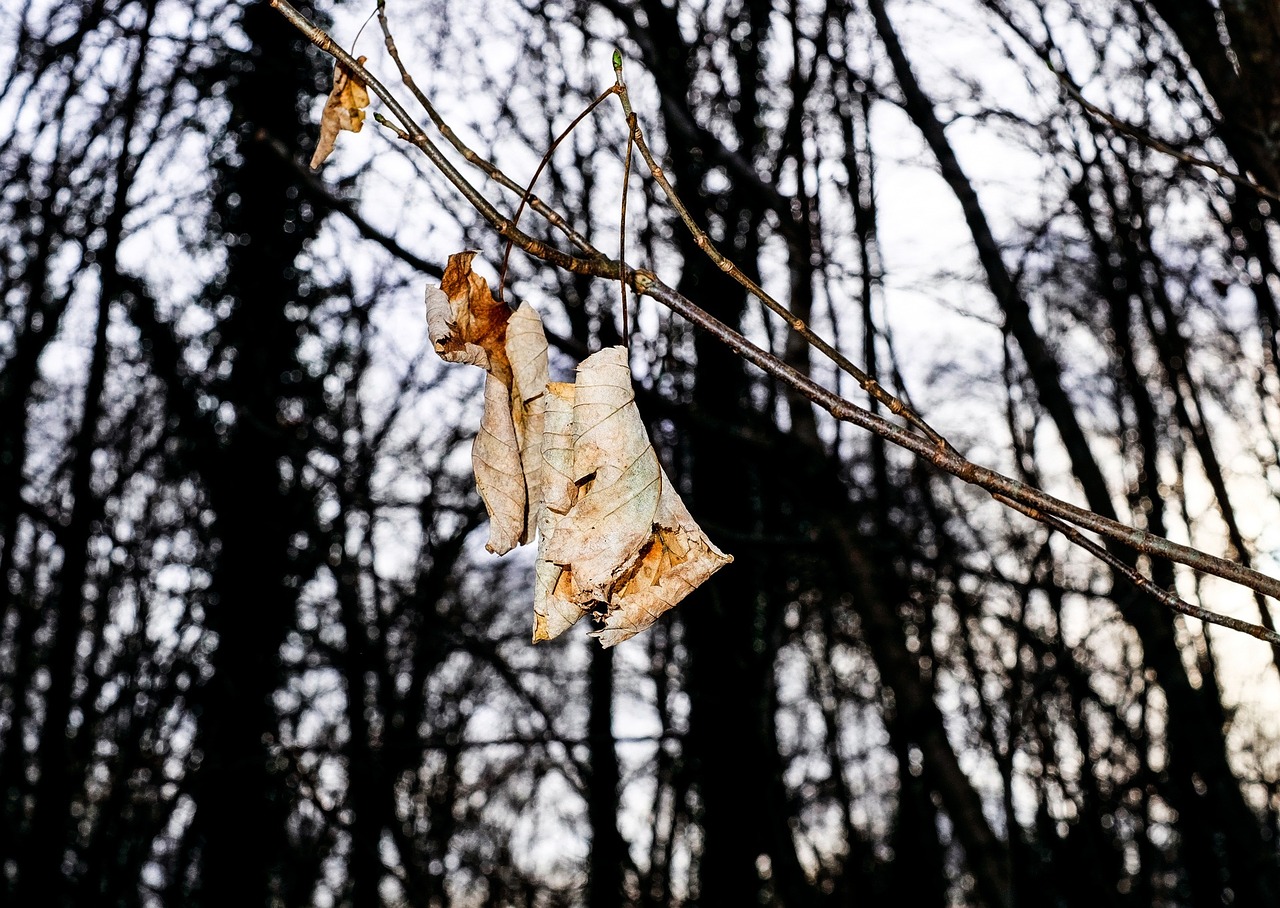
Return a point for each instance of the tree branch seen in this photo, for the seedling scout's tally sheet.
(1033, 502)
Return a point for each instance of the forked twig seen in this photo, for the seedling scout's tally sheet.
(1140, 580)
(951, 461)
(528, 190)
(1145, 138)
(553, 217)
(894, 404)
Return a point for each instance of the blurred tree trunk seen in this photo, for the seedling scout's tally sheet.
(259, 511)
(608, 850)
(1234, 46)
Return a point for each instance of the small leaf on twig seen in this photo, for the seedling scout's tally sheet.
(343, 109)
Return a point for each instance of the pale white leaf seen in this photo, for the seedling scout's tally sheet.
(526, 348)
(612, 518)
(554, 609)
(677, 560)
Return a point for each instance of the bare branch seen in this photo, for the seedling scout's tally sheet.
(1033, 502)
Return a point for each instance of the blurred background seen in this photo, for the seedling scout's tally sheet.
(252, 650)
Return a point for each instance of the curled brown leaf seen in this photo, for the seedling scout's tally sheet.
(343, 109)
(467, 325)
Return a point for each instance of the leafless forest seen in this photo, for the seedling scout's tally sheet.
(253, 652)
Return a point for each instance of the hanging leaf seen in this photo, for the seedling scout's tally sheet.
(677, 559)
(526, 350)
(613, 517)
(495, 458)
(559, 490)
(573, 463)
(343, 109)
(526, 347)
(467, 325)
(627, 548)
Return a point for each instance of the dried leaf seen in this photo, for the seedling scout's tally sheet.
(343, 109)
(495, 458)
(554, 610)
(574, 463)
(526, 350)
(626, 546)
(441, 329)
(612, 519)
(677, 560)
(467, 325)
(559, 491)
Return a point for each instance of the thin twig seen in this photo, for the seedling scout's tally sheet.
(950, 461)
(622, 218)
(553, 217)
(622, 226)
(795, 322)
(528, 190)
(1150, 141)
(1140, 580)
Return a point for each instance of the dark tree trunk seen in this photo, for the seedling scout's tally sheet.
(608, 851)
(242, 796)
(1235, 48)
